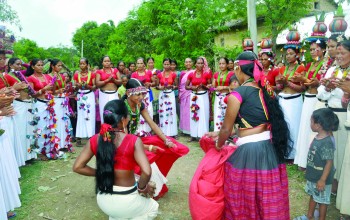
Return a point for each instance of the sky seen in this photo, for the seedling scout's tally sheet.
(53, 22)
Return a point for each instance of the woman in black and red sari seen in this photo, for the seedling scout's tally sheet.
(255, 181)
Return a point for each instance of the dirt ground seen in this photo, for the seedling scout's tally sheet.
(50, 190)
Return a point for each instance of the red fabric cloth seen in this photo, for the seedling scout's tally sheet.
(124, 157)
(144, 78)
(165, 158)
(219, 82)
(12, 81)
(37, 84)
(84, 79)
(271, 76)
(104, 75)
(206, 193)
(166, 80)
(198, 81)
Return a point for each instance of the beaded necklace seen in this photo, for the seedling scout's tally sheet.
(292, 73)
(343, 71)
(223, 80)
(135, 117)
(60, 79)
(88, 79)
(316, 70)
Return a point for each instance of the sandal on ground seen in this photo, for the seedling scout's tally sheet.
(302, 217)
(11, 215)
(191, 139)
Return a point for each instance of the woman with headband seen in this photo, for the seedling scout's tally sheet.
(162, 151)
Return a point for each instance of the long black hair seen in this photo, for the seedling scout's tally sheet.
(53, 62)
(114, 112)
(30, 69)
(345, 44)
(281, 139)
(11, 62)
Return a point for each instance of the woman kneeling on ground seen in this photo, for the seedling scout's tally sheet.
(117, 153)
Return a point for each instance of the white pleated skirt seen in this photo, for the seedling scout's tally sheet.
(200, 127)
(40, 107)
(143, 129)
(86, 114)
(304, 134)
(129, 206)
(9, 172)
(167, 113)
(219, 110)
(343, 198)
(341, 138)
(64, 126)
(25, 130)
(16, 143)
(292, 112)
(105, 97)
(3, 211)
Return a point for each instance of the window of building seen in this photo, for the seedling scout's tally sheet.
(317, 5)
(222, 42)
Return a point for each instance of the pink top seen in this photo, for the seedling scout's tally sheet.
(220, 81)
(104, 75)
(147, 77)
(84, 79)
(37, 84)
(170, 80)
(198, 81)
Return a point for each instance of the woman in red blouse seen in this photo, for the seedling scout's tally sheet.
(199, 82)
(63, 123)
(145, 77)
(84, 80)
(44, 114)
(290, 97)
(314, 71)
(221, 84)
(167, 106)
(22, 106)
(107, 80)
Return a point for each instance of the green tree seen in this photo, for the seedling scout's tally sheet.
(95, 39)
(27, 50)
(8, 15)
(69, 56)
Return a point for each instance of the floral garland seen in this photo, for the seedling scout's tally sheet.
(222, 108)
(33, 147)
(134, 118)
(82, 103)
(194, 109)
(168, 112)
(51, 140)
(68, 128)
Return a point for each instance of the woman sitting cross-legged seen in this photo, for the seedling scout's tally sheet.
(117, 153)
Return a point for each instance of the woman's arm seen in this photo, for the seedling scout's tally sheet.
(100, 83)
(118, 81)
(233, 106)
(80, 165)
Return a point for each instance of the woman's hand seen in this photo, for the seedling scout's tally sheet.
(298, 78)
(20, 86)
(6, 100)
(313, 83)
(214, 135)
(280, 79)
(48, 87)
(344, 85)
(149, 190)
(7, 111)
(154, 149)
